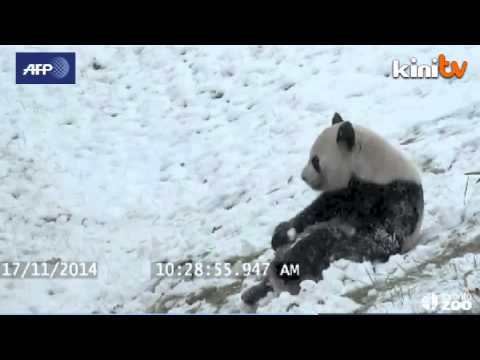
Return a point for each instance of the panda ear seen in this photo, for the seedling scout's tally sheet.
(336, 119)
(346, 135)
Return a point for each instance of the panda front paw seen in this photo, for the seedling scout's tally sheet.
(283, 234)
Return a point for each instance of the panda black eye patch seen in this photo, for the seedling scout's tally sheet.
(316, 163)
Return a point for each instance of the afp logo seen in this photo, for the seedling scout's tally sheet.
(45, 68)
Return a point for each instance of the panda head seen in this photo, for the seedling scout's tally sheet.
(329, 166)
(343, 150)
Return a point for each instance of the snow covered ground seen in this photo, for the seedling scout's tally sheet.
(163, 153)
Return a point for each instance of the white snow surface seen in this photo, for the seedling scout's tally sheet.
(175, 153)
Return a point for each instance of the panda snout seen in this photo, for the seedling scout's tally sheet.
(305, 175)
(312, 178)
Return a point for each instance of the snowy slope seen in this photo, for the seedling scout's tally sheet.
(182, 153)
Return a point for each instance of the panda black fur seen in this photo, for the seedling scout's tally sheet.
(371, 207)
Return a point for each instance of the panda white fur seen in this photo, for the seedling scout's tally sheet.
(371, 207)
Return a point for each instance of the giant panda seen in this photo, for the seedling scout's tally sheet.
(370, 207)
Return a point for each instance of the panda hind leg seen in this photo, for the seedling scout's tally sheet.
(317, 248)
(253, 294)
(315, 252)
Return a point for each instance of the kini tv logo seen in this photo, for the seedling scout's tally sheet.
(440, 67)
(45, 68)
